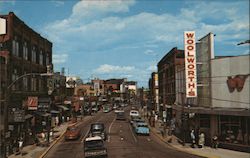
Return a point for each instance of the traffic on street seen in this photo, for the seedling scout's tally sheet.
(122, 140)
(124, 79)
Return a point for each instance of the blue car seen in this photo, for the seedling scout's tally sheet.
(141, 128)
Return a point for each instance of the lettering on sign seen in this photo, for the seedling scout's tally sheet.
(190, 64)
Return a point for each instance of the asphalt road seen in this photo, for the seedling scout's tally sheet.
(122, 142)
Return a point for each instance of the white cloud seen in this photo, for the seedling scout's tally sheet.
(92, 23)
(59, 58)
(93, 8)
(96, 26)
(113, 69)
(58, 3)
(150, 52)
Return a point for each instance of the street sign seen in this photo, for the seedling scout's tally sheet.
(3, 26)
(19, 116)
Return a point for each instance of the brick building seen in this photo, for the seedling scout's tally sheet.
(23, 51)
(166, 73)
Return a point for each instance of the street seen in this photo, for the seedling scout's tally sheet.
(121, 142)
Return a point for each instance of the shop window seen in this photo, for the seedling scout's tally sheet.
(204, 121)
(2, 60)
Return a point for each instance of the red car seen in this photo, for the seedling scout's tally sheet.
(72, 133)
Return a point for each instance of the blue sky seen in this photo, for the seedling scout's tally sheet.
(116, 39)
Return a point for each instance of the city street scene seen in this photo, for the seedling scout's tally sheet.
(124, 79)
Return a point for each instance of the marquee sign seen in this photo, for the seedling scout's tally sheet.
(3, 27)
(190, 64)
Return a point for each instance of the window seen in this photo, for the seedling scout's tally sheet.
(47, 59)
(41, 57)
(25, 51)
(33, 54)
(33, 84)
(15, 47)
(14, 77)
(204, 121)
(25, 83)
(2, 60)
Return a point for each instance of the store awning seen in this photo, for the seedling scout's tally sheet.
(54, 112)
(28, 116)
(63, 107)
(43, 114)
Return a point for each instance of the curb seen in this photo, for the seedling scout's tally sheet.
(183, 150)
(55, 141)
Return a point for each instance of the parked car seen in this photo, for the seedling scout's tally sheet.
(94, 147)
(137, 120)
(98, 129)
(72, 133)
(141, 128)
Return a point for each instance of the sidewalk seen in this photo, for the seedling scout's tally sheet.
(34, 151)
(204, 152)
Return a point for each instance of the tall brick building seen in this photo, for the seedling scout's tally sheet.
(23, 51)
(166, 72)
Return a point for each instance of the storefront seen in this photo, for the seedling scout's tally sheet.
(234, 131)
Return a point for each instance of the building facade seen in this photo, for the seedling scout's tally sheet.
(23, 51)
(219, 109)
(154, 92)
(166, 73)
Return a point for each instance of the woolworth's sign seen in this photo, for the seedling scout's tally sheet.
(190, 64)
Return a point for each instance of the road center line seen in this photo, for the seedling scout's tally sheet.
(132, 133)
(110, 128)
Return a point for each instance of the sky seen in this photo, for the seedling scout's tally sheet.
(127, 38)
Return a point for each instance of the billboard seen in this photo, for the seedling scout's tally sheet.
(3, 26)
(190, 64)
(70, 82)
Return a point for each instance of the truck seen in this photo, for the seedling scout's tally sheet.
(95, 147)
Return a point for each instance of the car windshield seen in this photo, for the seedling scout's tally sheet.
(93, 144)
(120, 113)
(71, 128)
(97, 127)
(142, 125)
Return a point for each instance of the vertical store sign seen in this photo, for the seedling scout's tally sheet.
(190, 64)
(3, 26)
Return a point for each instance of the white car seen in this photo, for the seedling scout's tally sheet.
(134, 113)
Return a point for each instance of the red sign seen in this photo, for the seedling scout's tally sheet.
(190, 64)
(32, 103)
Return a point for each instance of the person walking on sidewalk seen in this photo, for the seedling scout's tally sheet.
(201, 140)
(20, 145)
(215, 142)
(192, 135)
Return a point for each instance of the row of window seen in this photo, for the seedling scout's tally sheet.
(42, 59)
(26, 84)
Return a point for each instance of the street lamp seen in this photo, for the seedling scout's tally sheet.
(20, 77)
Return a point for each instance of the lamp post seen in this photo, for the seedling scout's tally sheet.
(8, 89)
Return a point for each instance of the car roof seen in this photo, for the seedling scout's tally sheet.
(93, 138)
(97, 123)
(142, 123)
(134, 111)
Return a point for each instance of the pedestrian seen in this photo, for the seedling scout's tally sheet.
(215, 142)
(57, 120)
(20, 145)
(192, 135)
(201, 140)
